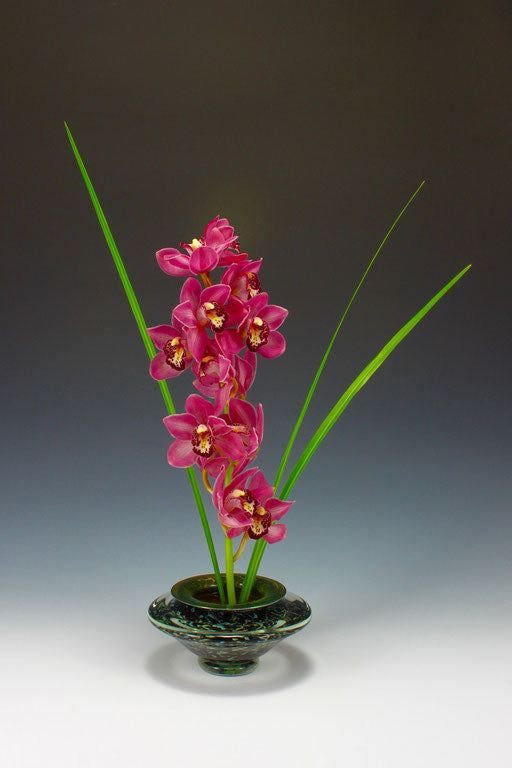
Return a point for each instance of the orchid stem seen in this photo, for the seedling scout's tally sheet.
(230, 578)
(139, 318)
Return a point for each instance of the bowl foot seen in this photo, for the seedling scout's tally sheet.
(228, 668)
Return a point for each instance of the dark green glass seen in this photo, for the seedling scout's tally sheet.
(228, 641)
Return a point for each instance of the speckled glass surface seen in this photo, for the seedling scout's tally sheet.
(228, 641)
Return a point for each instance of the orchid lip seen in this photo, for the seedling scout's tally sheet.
(202, 441)
(175, 354)
(257, 334)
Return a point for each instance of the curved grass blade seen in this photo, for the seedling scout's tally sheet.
(358, 384)
(334, 415)
(139, 318)
(312, 388)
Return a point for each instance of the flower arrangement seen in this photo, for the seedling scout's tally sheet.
(218, 330)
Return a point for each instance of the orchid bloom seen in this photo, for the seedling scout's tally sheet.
(260, 324)
(243, 279)
(247, 421)
(249, 507)
(200, 434)
(245, 371)
(174, 356)
(201, 309)
(215, 376)
(203, 254)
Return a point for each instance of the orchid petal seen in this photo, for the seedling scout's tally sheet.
(278, 508)
(203, 259)
(231, 533)
(257, 303)
(231, 445)
(191, 292)
(160, 334)
(274, 346)
(197, 339)
(198, 407)
(185, 314)
(218, 293)
(275, 533)
(273, 315)
(181, 454)
(260, 487)
(242, 412)
(172, 262)
(180, 425)
(222, 396)
(218, 426)
(160, 369)
(215, 465)
(230, 342)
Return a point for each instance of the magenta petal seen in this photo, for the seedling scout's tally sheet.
(235, 517)
(215, 465)
(224, 368)
(198, 407)
(242, 412)
(275, 533)
(197, 339)
(203, 259)
(218, 293)
(160, 334)
(257, 303)
(275, 345)
(180, 425)
(221, 397)
(278, 508)
(181, 454)
(160, 369)
(185, 314)
(172, 262)
(191, 291)
(274, 316)
(260, 487)
(231, 533)
(218, 487)
(231, 445)
(230, 342)
(219, 426)
(259, 422)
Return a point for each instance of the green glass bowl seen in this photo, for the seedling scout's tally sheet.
(228, 641)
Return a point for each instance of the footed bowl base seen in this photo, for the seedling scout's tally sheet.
(228, 668)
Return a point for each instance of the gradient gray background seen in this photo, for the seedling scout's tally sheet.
(308, 125)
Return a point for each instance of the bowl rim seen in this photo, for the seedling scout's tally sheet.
(272, 590)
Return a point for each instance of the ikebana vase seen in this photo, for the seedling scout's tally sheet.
(228, 640)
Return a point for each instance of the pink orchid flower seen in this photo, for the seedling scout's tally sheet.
(247, 421)
(215, 376)
(249, 506)
(200, 434)
(260, 324)
(174, 356)
(245, 371)
(243, 279)
(203, 254)
(257, 330)
(201, 309)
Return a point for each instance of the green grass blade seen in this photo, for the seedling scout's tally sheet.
(312, 388)
(139, 318)
(333, 416)
(358, 384)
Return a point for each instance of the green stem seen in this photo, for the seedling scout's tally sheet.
(139, 318)
(230, 579)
